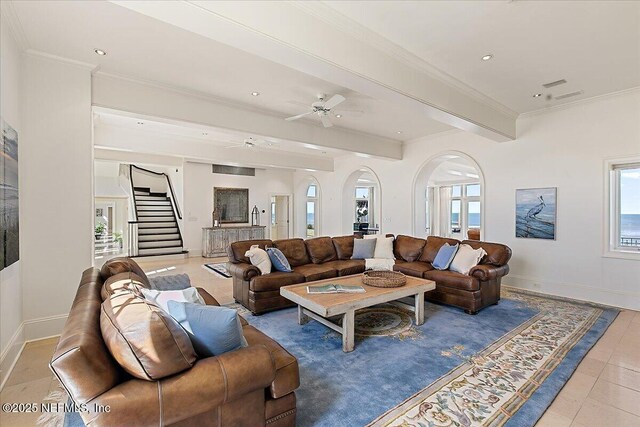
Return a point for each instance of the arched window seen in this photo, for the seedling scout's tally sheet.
(311, 213)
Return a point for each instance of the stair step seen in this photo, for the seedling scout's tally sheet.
(147, 189)
(156, 224)
(158, 236)
(158, 230)
(150, 216)
(160, 251)
(154, 208)
(160, 244)
(162, 202)
(148, 198)
(158, 194)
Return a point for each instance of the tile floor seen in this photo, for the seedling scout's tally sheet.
(604, 390)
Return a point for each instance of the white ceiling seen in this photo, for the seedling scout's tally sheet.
(594, 45)
(141, 47)
(454, 170)
(223, 138)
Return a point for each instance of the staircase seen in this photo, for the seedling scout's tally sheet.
(158, 231)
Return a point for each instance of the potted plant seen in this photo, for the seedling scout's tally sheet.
(117, 237)
(100, 229)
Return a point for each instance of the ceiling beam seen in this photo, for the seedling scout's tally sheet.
(119, 138)
(152, 100)
(289, 34)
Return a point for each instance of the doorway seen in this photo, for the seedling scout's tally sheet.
(280, 217)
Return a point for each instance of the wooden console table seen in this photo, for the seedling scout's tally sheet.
(216, 240)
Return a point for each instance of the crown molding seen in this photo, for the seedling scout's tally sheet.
(345, 24)
(51, 57)
(230, 103)
(10, 18)
(577, 103)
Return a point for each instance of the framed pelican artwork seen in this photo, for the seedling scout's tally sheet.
(536, 213)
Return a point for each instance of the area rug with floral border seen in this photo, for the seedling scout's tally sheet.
(503, 366)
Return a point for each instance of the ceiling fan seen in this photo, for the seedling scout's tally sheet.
(322, 109)
(251, 143)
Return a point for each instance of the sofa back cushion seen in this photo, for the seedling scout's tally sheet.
(122, 265)
(121, 282)
(343, 246)
(81, 360)
(321, 250)
(408, 248)
(236, 251)
(295, 250)
(147, 342)
(433, 245)
(497, 253)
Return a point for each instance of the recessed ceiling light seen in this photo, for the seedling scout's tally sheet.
(399, 132)
(255, 93)
(338, 115)
(487, 57)
(537, 95)
(455, 173)
(100, 52)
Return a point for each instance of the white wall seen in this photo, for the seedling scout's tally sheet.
(57, 150)
(11, 338)
(563, 148)
(199, 182)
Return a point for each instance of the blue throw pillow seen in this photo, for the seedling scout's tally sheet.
(213, 330)
(363, 248)
(278, 260)
(445, 256)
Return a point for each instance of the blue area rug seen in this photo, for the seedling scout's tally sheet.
(503, 366)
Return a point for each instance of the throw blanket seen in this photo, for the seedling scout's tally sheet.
(379, 264)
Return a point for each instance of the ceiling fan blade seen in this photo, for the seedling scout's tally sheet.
(335, 100)
(326, 122)
(298, 116)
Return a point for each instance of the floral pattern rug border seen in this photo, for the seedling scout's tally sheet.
(490, 386)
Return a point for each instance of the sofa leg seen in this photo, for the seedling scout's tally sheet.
(471, 312)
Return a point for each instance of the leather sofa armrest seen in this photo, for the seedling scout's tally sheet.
(211, 382)
(484, 272)
(243, 270)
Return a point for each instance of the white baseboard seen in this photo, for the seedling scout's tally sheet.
(10, 355)
(611, 297)
(28, 331)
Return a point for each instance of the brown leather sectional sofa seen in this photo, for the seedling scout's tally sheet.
(326, 257)
(252, 386)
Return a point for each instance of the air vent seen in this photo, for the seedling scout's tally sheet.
(556, 83)
(569, 95)
(233, 170)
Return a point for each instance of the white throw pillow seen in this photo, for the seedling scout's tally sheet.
(384, 246)
(379, 264)
(162, 298)
(259, 258)
(466, 258)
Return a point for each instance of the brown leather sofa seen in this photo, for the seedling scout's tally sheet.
(326, 257)
(252, 386)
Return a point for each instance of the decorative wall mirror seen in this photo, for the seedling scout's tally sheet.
(232, 204)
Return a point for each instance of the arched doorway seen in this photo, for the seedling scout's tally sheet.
(362, 202)
(449, 197)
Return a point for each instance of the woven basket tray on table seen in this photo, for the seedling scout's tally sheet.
(384, 279)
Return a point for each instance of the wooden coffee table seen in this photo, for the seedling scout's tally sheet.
(322, 306)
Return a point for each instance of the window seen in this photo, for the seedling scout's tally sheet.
(455, 215)
(464, 209)
(273, 213)
(624, 211)
(311, 219)
(362, 211)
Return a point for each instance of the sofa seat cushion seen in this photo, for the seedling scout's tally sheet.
(452, 279)
(415, 269)
(274, 281)
(287, 376)
(321, 250)
(313, 272)
(346, 267)
(295, 250)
